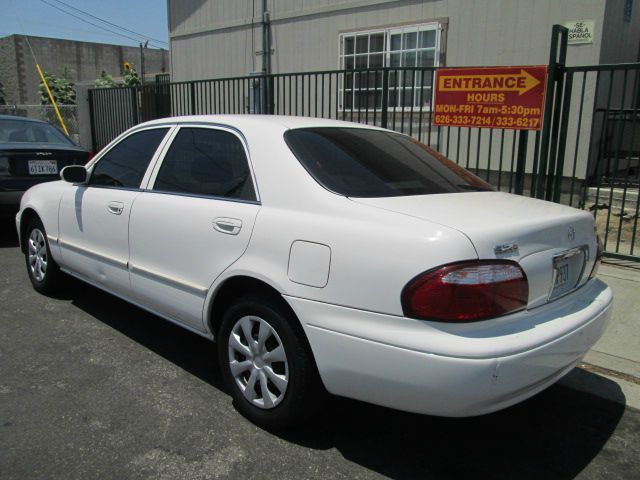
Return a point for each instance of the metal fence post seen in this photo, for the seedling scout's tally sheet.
(522, 161)
(193, 97)
(264, 101)
(134, 105)
(559, 37)
(557, 108)
(385, 98)
(562, 142)
(266, 94)
(92, 121)
(270, 94)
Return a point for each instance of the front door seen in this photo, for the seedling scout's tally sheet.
(94, 218)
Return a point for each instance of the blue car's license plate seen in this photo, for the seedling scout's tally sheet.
(43, 167)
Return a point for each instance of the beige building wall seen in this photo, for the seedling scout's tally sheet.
(213, 39)
(223, 38)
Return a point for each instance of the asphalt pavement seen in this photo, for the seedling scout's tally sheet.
(92, 387)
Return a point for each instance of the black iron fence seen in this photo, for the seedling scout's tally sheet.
(586, 155)
(395, 98)
(603, 103)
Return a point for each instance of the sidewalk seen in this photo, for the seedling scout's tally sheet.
(616, 356)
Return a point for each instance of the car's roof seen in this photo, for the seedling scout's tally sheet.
(20, 119)
(248, 120)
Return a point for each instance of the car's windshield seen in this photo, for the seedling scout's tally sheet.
(358, 162)
(20, 131)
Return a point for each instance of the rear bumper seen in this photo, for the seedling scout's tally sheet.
(10, 202)
(11, 197)
(395, 362)
(12, 189)
(18, 229)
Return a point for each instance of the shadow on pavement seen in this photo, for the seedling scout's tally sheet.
(553, 435)
(556, 434)
(8, 234)
(189, 351)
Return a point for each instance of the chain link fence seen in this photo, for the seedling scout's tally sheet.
(47, 113)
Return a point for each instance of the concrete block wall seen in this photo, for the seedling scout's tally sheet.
(86, 60)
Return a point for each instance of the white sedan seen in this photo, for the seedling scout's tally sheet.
(327, 256)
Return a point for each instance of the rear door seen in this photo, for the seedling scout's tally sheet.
(193, 222)
(94, 217)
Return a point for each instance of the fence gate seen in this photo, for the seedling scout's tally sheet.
(590, 148)
(586, 155)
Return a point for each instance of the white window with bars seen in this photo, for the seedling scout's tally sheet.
(415, 46)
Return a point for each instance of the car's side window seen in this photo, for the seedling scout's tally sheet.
(126, 163)
(205, 161)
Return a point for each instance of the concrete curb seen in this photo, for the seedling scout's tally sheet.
(611, 369)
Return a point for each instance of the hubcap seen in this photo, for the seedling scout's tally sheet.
(258, 362)
(37, 254)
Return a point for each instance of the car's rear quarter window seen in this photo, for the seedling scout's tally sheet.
(359, 162)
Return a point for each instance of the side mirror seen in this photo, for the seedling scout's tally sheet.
(74, 174)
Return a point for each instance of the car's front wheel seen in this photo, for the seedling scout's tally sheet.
(267, 364)
(44, 273)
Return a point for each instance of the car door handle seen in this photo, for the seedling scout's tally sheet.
(115, 207)
(230, 226)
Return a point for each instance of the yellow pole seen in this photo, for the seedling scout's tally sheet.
(46, 85)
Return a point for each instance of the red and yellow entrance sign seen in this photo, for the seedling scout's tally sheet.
(490, 97)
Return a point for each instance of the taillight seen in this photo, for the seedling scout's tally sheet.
(596, 264)
(90, 155)
(467, 291)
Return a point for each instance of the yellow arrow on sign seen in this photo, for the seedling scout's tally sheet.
(506, 82)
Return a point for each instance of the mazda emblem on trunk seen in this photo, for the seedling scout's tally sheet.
(506, 248)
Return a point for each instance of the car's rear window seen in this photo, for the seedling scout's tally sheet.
(20, 131)
(358, 162)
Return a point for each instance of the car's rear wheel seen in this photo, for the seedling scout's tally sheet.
(44, 272)
(267, 364)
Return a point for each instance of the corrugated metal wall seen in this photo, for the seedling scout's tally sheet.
(213, 38)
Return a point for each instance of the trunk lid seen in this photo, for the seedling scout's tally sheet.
(554, 244)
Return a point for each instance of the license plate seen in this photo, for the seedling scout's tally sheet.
(562, 274)
(43, 167)
(567, 271)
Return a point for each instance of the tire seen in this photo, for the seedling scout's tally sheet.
(43, 271)
(279, 357)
